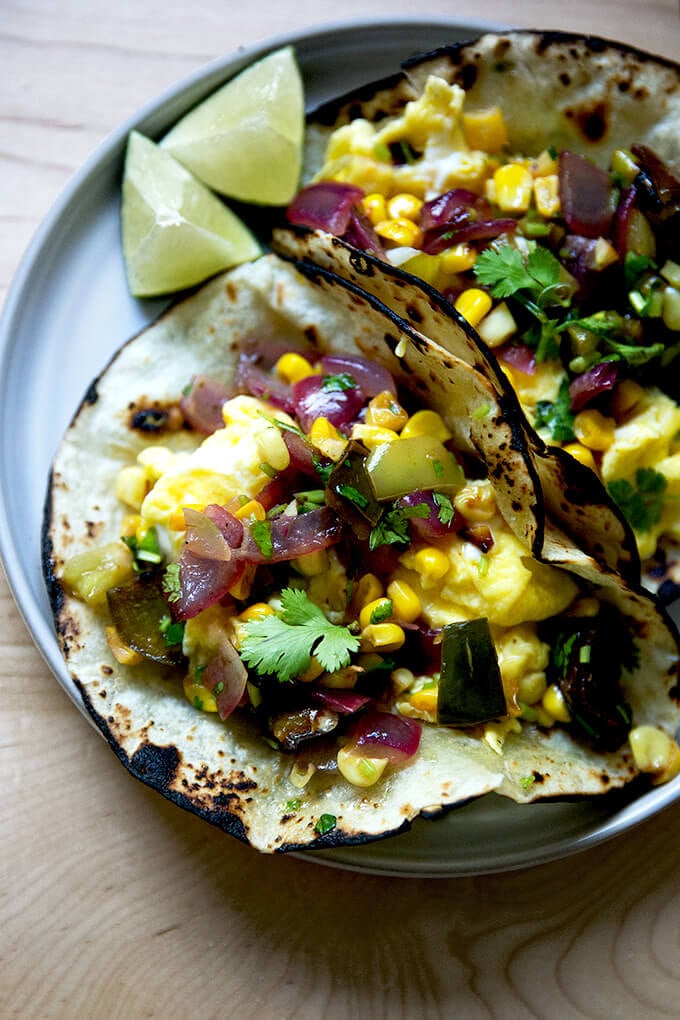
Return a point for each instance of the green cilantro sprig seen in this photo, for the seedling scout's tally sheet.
(283, 644)
(392, 528)
(640, 500)
(557, 415)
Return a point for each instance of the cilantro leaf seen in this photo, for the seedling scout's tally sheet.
(172, 585)
(339, 382)
(283, 644)
(503, 270)
(446, 509)
(392, 529)
(640, 501)
(262, 534)
(557, 416)
(326, 823)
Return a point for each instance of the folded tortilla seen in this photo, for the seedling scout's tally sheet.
(225, 771)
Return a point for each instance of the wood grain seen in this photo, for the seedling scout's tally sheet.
(114, 904)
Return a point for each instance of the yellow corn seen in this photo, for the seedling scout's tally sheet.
(544, 165)
(372, 435)
(554, 704)
(375, 207)
(485, 129)
(342, 679)
(593, 430)
(604, 254)
(385, 411)
(473, 304)
(257, 611)
(476, 503)
(458, 259)
(547, 195)
(130, 525)
(312, 564)
(368, 589)
(655, 752)
(357, 769)
(251, 510)
(531, 688)
(313, 671)
(431, 563)
(121, 652)
(241, 589)
(424, 266)
(156, 460)
(405, 603)
(404, 206)
(326, 438)
(272, 449)
(513, 186)
(424, 700)
(388, 637)
(198, 695)
(130, 486)
(380, 609)
(402, 232)
(582, 454)
(402, 678)
(426, 423)
(625, 399)
(292, 367)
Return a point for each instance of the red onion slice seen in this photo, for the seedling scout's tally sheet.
(204, 582)
(440, 238)
(342, 702)
(225, 677)
(202, 404)
(519, 356)
(585, 195)
(450, 206)
(203, 537)
(266, 385)
(432, 526)
(313, 399)
(384, 735)
(370, 377)
(324, 206)
(293, 536)
(585, 387)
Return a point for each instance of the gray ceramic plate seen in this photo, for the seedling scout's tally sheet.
(62, 321)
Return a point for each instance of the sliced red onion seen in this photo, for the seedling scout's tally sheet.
(440, 238)
(225, 677)
(585, 195)
(324, 206)
(302, 454)
(448, 207)
(313, 399)
(384, 735)
(432, 526)
(293, 536)
(202, 404)
(622, 218)
(203, 537)
(230, 526)
(369, 376)
(657, 186)
(585, 387)
(204, 582)
(360, 233)
(260, 382)
(278, 490)
(342, 702)
(519, 356)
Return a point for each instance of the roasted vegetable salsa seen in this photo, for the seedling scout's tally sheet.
(570, 272)
(324, 561)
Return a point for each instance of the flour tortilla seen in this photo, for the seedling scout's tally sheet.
(224, 771)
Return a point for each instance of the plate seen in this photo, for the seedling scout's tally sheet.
(62, 322)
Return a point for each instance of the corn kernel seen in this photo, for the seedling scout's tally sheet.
(89, 575)
(326, 438)
(671, 308)
(426, 423)
(604, 254)
(593, 430)
(476, 503)
(373, 435)
(156, 460)
(554, 704)
(198, 695)
(313, 671)
(385, 411)
(473, 304)
(424, 266)
(368, 589)
(375, 207)
(388, 637)
(547, 195)
(272, 449)
(253, 509)
(424, 700)
(358, 769)
(292, 367)
(131, 485)
(513, 185)
(312, 564)
(241, 589)
(654, 751)
(431, 563)
(627, 395)
(342, 679)
(485, 129)
(301, 773)
(545, 165)
(402, 678)
(458, 259)
(531, 688)
(404, 206)
(405, 603)
(130, 525)
(257, 611)
(624, 166)
(582, 454)
(402, 232)
(121, 652)
(376, 611)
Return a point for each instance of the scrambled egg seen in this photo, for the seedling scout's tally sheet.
(432, 125)
(232, 462)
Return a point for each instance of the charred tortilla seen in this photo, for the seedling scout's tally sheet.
(223, 770)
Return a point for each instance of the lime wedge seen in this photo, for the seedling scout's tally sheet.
(176, 233)
(245, 140)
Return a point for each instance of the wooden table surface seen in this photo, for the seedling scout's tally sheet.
(113, 903)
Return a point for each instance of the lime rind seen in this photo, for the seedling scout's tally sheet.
(175, 232)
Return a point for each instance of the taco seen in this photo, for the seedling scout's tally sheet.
(304, 639)
(531, 179)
